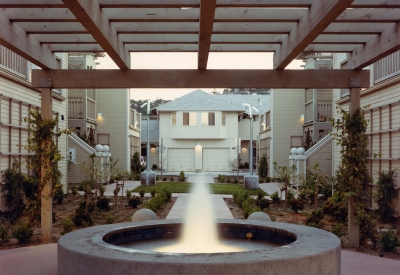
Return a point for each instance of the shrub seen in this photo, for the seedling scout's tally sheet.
(182, 176)
(262, 203)
(260, 194)
(82, 207)
(315, 218)
(273, 179)
(246, 165)
(263, 167)
(236, 181)
(336, 207)
(221, 178)
(171, 178)
(268, 179)
(59, 195)
(296, 205)
(337, 229)
(240, 197)
(68, 226)
(82, 219)
(290, 195)
(141, 193)
(249, 207)
(228, 180)
(157, 178)
(137, 177)
(74, 190)
(128, 193)
(384, 195)
(22, 231)
(275, 197)
(153, 193)
(134, 202)
(103, 203)
(389, 240)
(167, 193)
(154, 167)
(164, 179)
(110, 219)
(4, 234)
(102, 190)
(368, 229)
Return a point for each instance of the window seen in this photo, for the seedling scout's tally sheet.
(223, 119)
(255, 118)
(189, 119)
(173, 119)
(208, 118)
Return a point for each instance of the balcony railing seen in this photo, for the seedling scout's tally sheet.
(324, 110)
(76, 108)
(387, 67)
(13, 62)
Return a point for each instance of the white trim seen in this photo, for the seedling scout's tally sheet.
(83, 145)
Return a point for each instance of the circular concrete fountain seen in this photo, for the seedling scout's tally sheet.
(301, 250)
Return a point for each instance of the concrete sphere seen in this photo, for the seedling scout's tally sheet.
(106, 148)
(300, 151)
(293, 151)
(144, 215)
(259, 216)
(99, 148)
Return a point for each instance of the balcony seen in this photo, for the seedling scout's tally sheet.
(13, 63)
(134, 119)
(324, 111)
(76, 108)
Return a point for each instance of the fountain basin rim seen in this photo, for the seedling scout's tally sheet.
(89, 242)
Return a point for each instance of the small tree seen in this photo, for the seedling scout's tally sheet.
(234, 166)
(163, 163)
(263, 167)
(319, 179)
(286, 175)
(135, 163)
(122, 175)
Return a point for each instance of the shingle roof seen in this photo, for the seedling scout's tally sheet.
(199, 100)
(261, 102)
(154, 131)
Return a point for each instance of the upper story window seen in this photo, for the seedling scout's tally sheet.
(223, 119)
(208, 119)
(189, 119)
(173, 119)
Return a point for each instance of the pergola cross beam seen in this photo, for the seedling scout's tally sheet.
(90, 15)
(207, 12)
(320, 15)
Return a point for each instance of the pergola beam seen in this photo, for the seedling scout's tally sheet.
(195, 4)
(90, 15)
(376, 48)
(207, 12)
(16, 39)
(319, 16)
(323, 79)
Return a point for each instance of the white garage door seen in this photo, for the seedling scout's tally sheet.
(180, 160)
(215, 159)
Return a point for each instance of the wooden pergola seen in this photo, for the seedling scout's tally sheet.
(367, 30)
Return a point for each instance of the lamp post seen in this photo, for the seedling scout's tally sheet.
(148, 177)
(250, 181)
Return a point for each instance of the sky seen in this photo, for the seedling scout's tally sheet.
(189, 61)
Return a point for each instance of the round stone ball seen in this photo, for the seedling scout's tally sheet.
(293, 151)
(144, 215)
(259, 216)
(300, 151)
(99, 148)
(106, 148)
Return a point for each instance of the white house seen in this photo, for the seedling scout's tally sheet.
(203, 132)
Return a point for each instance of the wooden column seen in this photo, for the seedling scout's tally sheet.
(353, 229)
(46, 199)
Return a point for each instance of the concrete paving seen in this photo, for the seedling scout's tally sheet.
(42, 259)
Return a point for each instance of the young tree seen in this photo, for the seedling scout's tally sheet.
(135, 163)
(263, 167)
(163, 163)
(286, 175)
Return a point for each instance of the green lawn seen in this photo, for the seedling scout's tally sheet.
(184, 187)
(174, 187)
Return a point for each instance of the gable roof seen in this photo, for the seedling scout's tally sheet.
(199, 100)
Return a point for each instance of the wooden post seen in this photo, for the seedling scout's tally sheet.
(353, 229)
(46, 198)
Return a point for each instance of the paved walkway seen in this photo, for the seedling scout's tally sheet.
(42, 259)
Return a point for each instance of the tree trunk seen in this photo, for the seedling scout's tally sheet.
(88, 190)
(316, 200)
(116, 194)
(286, 199)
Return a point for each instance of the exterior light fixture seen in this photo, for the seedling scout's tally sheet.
(99, 114)
(302, 116)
